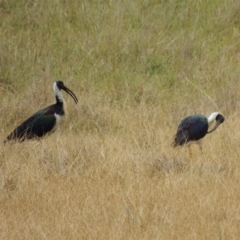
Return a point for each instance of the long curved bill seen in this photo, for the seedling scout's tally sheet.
(218, 122)
(71, 94)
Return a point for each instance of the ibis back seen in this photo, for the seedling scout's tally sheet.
(39, 124)
(191, 128)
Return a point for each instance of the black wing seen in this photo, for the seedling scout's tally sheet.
(37, 125)
(191, 128)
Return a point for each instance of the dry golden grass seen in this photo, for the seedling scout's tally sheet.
(109, 171)
(120, 180)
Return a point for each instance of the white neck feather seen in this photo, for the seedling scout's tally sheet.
(57, 92)
(212, 117)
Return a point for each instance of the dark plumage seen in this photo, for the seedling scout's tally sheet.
(45, 120)
(195, 127)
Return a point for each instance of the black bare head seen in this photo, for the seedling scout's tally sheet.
(219, 119)
(61, 86)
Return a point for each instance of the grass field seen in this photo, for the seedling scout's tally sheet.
(109, 171)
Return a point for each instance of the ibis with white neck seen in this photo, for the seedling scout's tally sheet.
(45, 120)
(195, 127)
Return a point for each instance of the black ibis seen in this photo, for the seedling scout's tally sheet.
(45, 120)
(195, 127)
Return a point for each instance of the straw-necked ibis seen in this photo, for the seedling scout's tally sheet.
(195, 127)
(45, 120)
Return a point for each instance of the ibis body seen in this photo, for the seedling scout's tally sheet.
(45, 120)
(195, 127)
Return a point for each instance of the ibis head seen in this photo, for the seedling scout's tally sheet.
(219, 119)
(58, 86)
(195, 127)
(45, 120)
